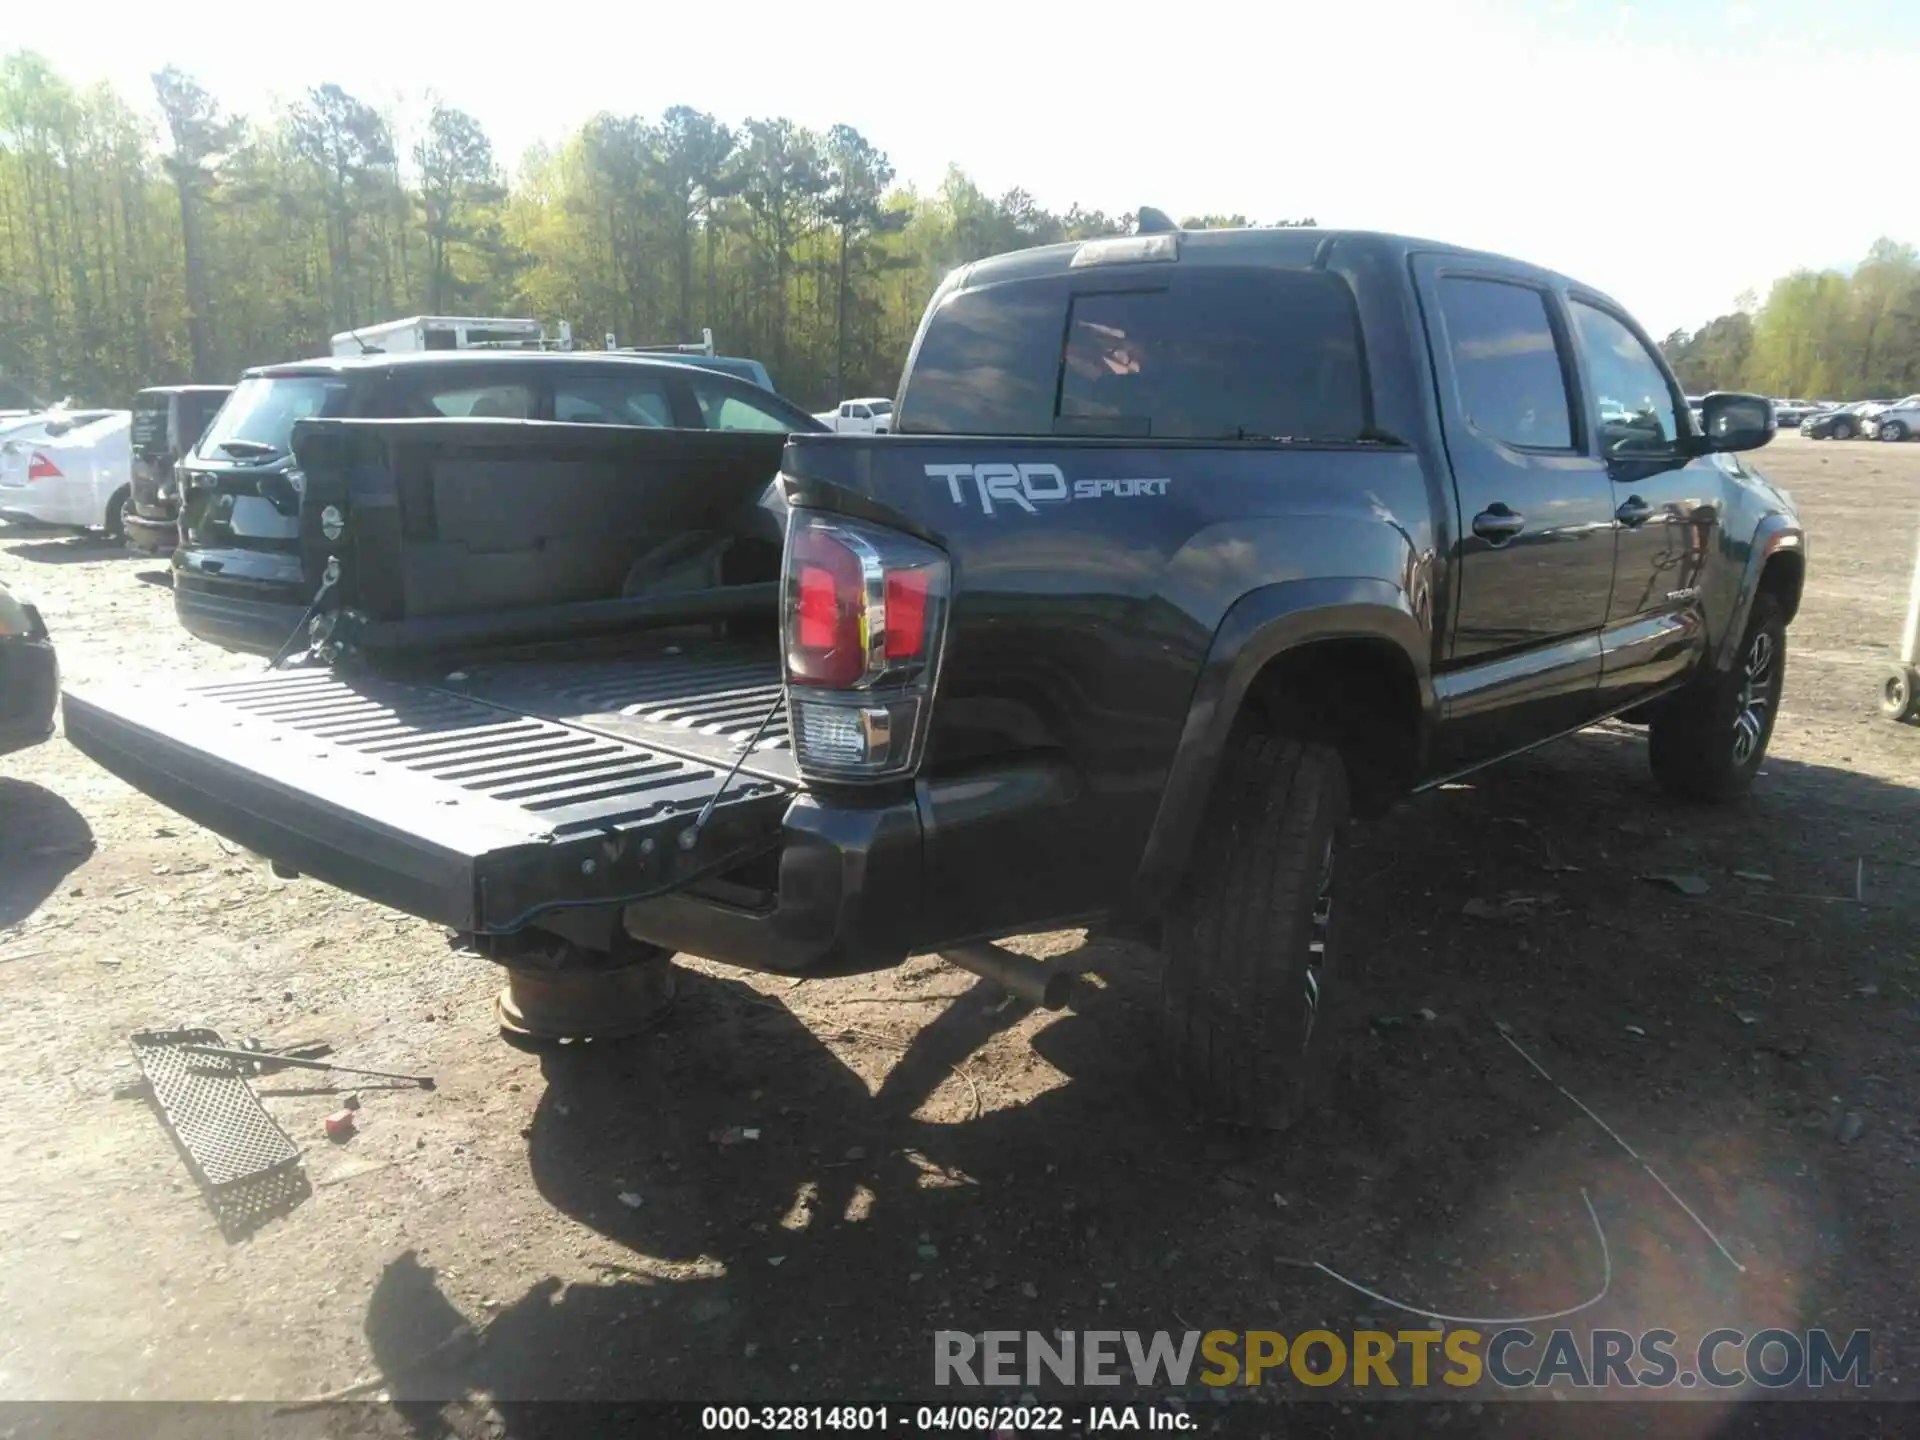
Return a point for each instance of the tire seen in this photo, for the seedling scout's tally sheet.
(1900, 693)
(1708, 742)
(1250, 940)
(1894, 430)
(1843, 430)
(115, 522)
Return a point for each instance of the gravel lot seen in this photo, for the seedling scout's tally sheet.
(929, 1157)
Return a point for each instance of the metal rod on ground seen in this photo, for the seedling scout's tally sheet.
(425, 1082)
(1037, 984)
(1910, 636)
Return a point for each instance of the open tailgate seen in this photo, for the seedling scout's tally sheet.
(477, 801)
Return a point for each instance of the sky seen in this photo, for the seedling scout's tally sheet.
(1672, 153)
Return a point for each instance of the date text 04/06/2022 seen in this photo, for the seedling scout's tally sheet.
(989, 1419)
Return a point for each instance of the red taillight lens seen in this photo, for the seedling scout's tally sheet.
(907, 615)
(828, 639)
(41, 468)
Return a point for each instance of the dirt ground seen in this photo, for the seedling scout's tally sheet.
(930, 1156)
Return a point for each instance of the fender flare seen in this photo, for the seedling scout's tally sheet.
(1261, 625)
(1776, 533)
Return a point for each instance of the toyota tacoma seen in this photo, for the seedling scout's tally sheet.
(1186, 548)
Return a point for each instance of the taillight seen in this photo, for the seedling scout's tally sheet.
(41, 468)
(863, 622)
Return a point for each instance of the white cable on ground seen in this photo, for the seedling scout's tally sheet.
(1614, 1136)
(1606, 1284)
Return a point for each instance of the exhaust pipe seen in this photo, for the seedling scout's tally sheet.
(1037, 984)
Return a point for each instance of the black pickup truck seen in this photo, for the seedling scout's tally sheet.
(1186, 547)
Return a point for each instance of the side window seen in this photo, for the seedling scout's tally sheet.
(860, 412)
(496, 402)
(846, 412)
(1513, 386)
(1637, 414)
(612, 400)
(724, 408)
(988, 363)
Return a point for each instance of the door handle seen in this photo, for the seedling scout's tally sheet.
(1498, 524)
(1633, 511)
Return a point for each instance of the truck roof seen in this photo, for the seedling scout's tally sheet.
(1284, 248)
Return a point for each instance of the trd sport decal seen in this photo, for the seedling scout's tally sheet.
(1031, 486)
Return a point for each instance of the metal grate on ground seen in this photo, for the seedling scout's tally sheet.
(247, 1166)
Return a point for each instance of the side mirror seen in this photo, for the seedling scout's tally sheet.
(1733, 421)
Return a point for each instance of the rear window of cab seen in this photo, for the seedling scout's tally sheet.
(1209, 353)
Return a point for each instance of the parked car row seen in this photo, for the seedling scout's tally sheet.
(1788, 414)
(1866, 419)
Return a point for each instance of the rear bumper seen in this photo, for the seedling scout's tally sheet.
(859, 888)
(236, 614)
(847, 894)
(29, 692)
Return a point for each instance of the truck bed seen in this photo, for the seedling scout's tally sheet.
(477, 799)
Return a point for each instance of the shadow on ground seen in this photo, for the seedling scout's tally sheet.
(43, 839)
(77, 549)
(1715, 1032)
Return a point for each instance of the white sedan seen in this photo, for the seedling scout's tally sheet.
(69, 469)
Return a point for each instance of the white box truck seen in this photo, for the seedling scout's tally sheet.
(451, 332)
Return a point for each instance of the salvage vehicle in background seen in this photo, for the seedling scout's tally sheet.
(29, 674)
(1186, 547)
(1842, 423)
(241, 578)
(76, 474)
(871, 416)
(168, 421)
(1898, 420)
(703, 354)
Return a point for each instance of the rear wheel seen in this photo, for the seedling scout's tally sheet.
(115, 520)
(1707, 742)
(1250, 941)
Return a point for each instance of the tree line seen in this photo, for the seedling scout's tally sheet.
(171, 241)
(136, 251)
(1817, 336)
